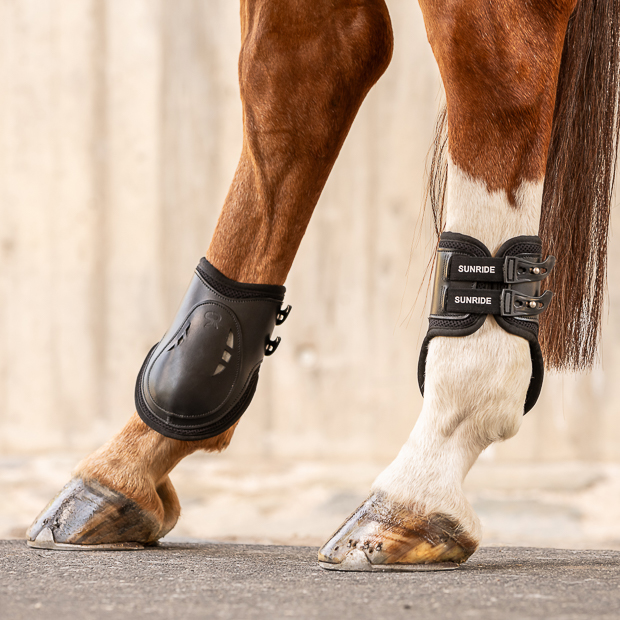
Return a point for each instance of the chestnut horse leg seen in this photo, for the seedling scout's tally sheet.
(499, 62)
(305, 68)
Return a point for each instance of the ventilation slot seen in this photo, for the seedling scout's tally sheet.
(227, 354)
(179, 340)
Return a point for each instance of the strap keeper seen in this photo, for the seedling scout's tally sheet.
(518, 269)
(272, 345)
(283, 314)
(514, 303)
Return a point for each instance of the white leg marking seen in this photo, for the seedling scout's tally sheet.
(476, 385)
(488, 216)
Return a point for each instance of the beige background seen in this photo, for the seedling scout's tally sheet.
(120, 129)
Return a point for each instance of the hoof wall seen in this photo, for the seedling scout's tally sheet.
(356, 560)
(383, 536)
(87, 516)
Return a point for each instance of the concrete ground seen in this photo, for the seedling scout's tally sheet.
(218, 580)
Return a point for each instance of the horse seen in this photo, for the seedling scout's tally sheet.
(526, 145)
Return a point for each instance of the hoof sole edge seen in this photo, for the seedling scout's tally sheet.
(45, 540)
(391, 568)
(125, 546)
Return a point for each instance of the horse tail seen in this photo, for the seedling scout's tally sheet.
(579, 180)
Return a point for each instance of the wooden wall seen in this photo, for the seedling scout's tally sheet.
(119, 133)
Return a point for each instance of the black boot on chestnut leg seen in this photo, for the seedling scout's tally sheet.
(191, 391)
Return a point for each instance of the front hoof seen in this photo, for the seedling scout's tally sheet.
(383, 536)
(87, 515)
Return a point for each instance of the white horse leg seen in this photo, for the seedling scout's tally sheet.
(475, 389)
(475, 385)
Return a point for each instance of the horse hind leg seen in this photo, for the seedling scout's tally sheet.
(119, 497)
(305, 68)
(499, 63)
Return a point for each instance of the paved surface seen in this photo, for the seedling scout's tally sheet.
(203, 580)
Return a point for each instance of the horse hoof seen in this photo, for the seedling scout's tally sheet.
(383, 536)
(86, 515)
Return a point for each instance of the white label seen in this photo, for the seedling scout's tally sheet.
(476, 269)
(483, 301)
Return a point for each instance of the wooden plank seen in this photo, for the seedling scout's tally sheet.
(120, 128)
(47, 222)
(132, 232)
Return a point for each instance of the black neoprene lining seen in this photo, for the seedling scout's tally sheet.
(463, 244)
(460, 324)
(237, 290)
(517, 323)
(522, 247)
